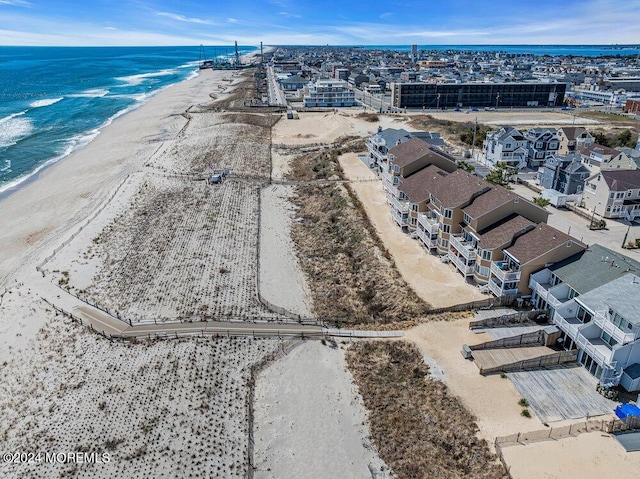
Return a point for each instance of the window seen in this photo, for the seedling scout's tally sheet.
(485, 254)
(584, 315)
(447, 213)
(445, 228)
(607, 338)
(414, 207)
(467, 219)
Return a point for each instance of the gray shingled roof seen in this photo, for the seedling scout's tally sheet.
(539, 241)
(489, 201)
(391, 136)
(502, 233)
(622, 180)
(622, 295)
(594, 267)
(418, 186)
(458, 188)
(409, 151)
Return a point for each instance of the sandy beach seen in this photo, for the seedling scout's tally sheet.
(136, 229)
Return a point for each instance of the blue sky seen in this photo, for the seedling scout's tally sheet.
(371, 22)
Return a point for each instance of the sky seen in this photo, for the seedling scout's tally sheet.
(319, 22)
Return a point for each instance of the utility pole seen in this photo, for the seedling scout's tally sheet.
(473, 142)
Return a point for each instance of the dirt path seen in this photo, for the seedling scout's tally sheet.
(436, 283)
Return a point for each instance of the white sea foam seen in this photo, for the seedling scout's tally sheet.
(45, 102)
(96, 93)
(13, 128)
(6, 166)
(133, 80)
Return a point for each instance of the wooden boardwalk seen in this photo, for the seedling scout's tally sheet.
(487, 359)
(561, 393)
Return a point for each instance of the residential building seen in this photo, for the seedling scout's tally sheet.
(578, 274)
(613, 194)
(596, 156)
(573, 139)
(532, 251)
(416, 192)
(506, 145)
(490, 223)
(380, 144)
(563, 173)
(451, 95)
(293, 83)
(632, 106)
(541, 143)
(604, 326)
(627, 159)
(329, 93)
(448, 197)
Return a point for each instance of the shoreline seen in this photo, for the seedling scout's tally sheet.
(88, 174)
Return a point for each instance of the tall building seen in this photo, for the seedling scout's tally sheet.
(497, 95)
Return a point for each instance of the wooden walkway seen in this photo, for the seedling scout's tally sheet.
(487, 359)
(561, 393)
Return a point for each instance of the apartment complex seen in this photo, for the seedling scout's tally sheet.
(498, 95)
(329, 93)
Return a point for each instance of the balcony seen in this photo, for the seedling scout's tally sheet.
(503, 272)
(540, 289)
(425, 237)
(398, 205)
(600, 353)
(401, 218)
(430, 224)
(465, 248)
(570, 325)
(498, 291)
(600, 318)
(387, 178)
(465, 269)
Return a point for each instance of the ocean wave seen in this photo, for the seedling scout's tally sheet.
(133, 80)
(13, 128)
(6, 166)
(96, 93)
(45, 102)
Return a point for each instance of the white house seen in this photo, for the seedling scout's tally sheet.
(507, 145)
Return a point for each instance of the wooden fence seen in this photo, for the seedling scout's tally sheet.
(609, 426)
(522, 340)
(483, 303)
(555, 359)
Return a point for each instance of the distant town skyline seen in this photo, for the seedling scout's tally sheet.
(288, 22)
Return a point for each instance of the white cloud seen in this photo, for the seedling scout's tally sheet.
(289, 15)
(182, 18)
(232, 20)
(387, 15)
(17, 3)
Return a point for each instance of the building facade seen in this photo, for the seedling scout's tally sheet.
(480, 95)
(329, 93)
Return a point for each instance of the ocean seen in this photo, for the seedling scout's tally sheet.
(54, 100)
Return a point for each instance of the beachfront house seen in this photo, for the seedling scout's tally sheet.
(506, 145)
(541, 143)
(532, 251)
(578, 274)
(596, 157)
(563, 173)
(490, 224)
(626, 159)
(379, 144)
(613, 194)
(573, 139)
(604, 326)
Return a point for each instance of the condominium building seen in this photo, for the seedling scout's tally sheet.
(329, 93)
(530, 252)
